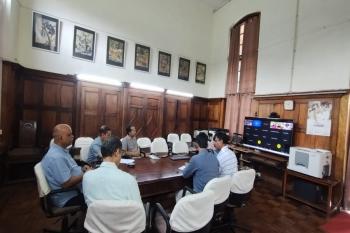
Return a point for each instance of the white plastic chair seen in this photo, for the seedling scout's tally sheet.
(110, 216)
(144, 142)
(221, 187)
(180, 147)
(173, 137)
(191, 213)
(84, 143)
(185, 137)
(159, 145)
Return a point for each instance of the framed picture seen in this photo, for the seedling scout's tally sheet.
(184, 69)
(200, 72)
(164, 63)
(84, 43)
(45, 34)
(115, 51)
(142, 56)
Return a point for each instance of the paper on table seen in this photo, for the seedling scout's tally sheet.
(182, 168)
(127, 161)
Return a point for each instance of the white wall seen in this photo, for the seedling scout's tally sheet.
(322, 45)
(181, 28)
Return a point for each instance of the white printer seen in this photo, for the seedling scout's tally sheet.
(312, 162)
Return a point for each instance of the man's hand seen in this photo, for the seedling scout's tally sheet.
(86, 168)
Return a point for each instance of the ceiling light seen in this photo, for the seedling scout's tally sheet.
(146, 87)
(98, 79)
(171, 92)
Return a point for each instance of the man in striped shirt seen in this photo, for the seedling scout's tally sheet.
(226, 157)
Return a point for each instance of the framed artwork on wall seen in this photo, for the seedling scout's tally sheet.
(164, 63)
(200, 72)
(115, 51)
(84, 43)
(142, 57)
(45, 32)
(184, 69)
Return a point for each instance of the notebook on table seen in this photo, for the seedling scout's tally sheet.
(180, 156)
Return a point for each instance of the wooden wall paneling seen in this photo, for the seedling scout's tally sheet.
(199, 113)
(184, 116)
(144, 110)
(216, 113)
(170, 115)
(112, 109)
(90, 110)
(177, 115)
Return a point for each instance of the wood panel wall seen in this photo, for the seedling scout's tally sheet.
(176, 113)
(337, 142)
(216, 113)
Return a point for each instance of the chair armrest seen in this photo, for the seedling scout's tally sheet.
(160, 209)
(63, 190)
(185, 189)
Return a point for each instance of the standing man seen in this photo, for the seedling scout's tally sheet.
(61, 171)
(203, 166)
(94, 154)
(108, 182)
(129, 143)
(227, 158)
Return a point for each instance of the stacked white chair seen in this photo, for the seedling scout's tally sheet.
(84, 143)
(180, 148)
(110, 216)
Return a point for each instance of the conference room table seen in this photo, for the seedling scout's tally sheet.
(157, 177)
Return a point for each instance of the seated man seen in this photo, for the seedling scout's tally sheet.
(94, 154)
(60, 170)
(108, 182)
(203, 166)
(129, 143)
(227, 158)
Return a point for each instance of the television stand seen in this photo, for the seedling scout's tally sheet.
(248, 155)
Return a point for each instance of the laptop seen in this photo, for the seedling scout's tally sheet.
(180, 156)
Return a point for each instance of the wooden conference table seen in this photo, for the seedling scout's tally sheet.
(157, 177)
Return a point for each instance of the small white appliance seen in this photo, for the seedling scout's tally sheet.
(312, 162)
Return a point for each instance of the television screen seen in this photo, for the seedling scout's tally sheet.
(269, 134)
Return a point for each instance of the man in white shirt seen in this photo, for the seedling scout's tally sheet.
(226, 157)
(108, 182)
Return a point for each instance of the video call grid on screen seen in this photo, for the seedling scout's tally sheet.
(274, 135)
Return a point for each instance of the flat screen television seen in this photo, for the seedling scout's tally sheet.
(268, 134)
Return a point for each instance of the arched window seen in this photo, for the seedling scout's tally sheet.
(241, 75)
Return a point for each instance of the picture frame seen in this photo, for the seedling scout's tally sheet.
(142, 57)
(84, 43)
(164, 63)
(115, 51)
(45, 32)
(184, 69)
(201, 70)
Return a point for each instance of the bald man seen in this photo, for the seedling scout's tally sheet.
(61, 171)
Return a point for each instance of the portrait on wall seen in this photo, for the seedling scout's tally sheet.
(200, 72)
(84, 43)
(45, 32)
(184, 69)
(319, 118)
(142, 57)
(164, 63)
(115, 51)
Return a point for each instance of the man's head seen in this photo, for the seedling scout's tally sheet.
(105, 132)
(201, 140)
(131, 130)
(62, 134)
(111, 149)
(220, 140)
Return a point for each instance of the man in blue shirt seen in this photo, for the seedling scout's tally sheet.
(94, 154)
(108, 182)
(61, 171)
(204, 166)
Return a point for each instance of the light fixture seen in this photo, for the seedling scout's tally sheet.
(98, 79)
(180, 93)
(146, 87)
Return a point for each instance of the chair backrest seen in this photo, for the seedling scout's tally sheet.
(51, 142)
(159, 145)
(221, 188)
(185, 137)
(144, 142)
(173, 137)
(43, 186)
(192, 212)
(84, 143)
(243, 181)
(109, 216)
(180, 147)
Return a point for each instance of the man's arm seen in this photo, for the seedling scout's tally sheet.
(133, 153)
(73, 180)
(189, 169)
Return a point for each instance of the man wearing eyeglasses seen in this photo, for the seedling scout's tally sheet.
(226, 157)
